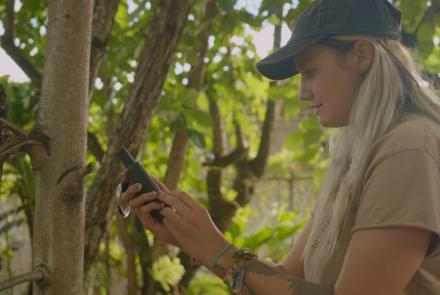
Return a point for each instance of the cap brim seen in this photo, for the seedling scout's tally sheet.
(280, 64)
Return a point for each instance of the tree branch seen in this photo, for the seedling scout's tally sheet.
(217, 130)
(166, 29)
(259, 163)
(434, 78)
(429, 14)
(103, 19)
(13, 139)
(94, 146)
(7, 43)
(36, 275)
(229, 159)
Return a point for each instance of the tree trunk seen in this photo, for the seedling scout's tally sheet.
(103, 18)
(59, 167)
(128, 242)
(166, 28)
(181, 139)
(249, 171)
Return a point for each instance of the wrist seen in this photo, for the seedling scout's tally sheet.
(214, 252)
(231, 267)
(227, 260)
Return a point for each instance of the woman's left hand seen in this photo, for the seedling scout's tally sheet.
(192, 226)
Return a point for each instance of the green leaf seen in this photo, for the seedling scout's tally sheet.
(199, 117)
(197, 138)
(274, 20)
(286, 230)
(312, 136)
(178, 123)
(294, 141)
(235, 230)
(425, 36)
(226, 5)
(285, 92)
(257, 239)
(271, 6)
(412, 12)
(249, 18)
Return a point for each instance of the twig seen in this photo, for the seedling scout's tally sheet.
(12, 126)
(432, 10)
(7, 43)
(16, 147)
(35, 275)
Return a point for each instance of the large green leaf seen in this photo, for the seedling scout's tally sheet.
(197, 116)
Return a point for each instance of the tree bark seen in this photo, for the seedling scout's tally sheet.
(166, 28)
(103, 18)
(59, 167)
(128, 242)
(181, 139)
(248, 170)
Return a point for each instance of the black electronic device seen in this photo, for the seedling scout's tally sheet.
(137, 174)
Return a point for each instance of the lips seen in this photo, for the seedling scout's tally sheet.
(316, 105)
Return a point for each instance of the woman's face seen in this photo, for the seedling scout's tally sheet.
(328, 80)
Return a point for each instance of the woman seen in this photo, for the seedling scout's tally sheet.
(375, 228)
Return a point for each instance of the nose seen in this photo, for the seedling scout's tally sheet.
(304, 93)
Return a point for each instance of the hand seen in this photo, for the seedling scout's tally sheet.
(191, 226)
(142, 209)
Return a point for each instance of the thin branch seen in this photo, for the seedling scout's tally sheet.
(241, 142)
(17, 147)
(429, 13)
(433, 78)
(286, 178)
(259, 163)
(217, 130)
(7, 43)
(12, 127)
(36, 275)
(94, 146)
(9, 20)
(231, 158)
(17, 56)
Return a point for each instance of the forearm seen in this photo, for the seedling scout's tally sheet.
(266, 278)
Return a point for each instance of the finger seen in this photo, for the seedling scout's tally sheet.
(161, 186)
(141, 199)
(175, 203)
(130, 193)
(147, 208)
(184, 198)
(172, 220)
(156, 206)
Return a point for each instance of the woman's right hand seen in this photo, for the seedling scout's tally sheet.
(142, 209)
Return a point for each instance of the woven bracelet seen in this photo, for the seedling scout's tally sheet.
(220, 254)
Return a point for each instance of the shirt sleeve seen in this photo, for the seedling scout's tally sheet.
(403, 190)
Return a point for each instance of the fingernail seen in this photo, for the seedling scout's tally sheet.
(138, 186)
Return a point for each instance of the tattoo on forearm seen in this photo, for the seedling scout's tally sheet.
(296, 285)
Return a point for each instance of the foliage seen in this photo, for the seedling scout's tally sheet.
(266, 226)
(167, 271)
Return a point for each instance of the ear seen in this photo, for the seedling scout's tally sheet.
(363, 52)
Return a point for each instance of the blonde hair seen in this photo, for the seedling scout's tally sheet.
(393, 85)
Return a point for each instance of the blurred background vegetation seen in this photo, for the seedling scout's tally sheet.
(260, 194)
